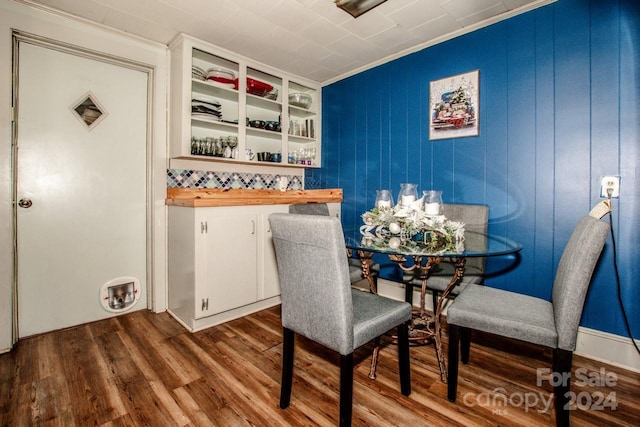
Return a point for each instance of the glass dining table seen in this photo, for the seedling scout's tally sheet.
(412, 257)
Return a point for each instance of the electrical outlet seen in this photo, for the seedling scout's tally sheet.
(610, 186)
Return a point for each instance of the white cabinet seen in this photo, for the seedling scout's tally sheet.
(242, 104)
(221, 263)
(226, 261)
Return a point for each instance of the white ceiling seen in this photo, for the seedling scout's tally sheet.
(310, 38)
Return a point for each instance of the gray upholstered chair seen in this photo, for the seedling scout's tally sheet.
(476, 219)
(319, 303)
(549, 323)
(310, 209)
(355, 265)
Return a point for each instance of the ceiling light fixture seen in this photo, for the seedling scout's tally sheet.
(356, 8)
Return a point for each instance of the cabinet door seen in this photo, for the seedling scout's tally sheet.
(227, 263)
(214, 106)
(264, 115)
(270, 280)
(303, 133)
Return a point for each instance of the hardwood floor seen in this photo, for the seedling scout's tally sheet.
(145, 369)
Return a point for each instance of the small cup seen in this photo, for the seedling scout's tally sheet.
(260, 124)
(273, 126)
(264, 156)
(276, 157)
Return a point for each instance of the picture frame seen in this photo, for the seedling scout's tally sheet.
(453, 106)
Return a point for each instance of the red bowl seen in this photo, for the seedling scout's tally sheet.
(258, 88)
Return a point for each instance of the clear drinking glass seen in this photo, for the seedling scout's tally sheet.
(313, 152)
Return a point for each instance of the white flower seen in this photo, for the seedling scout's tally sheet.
(402, 213)
(367, 218)
(386, 216)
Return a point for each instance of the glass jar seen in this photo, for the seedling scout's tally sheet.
(432, 202)
(408, 195)
(384, 199)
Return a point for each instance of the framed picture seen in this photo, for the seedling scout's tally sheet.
(453, 106)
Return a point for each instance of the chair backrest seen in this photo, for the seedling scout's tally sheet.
(476, 219)
(310, 209)
(574, 276)
(314, 278)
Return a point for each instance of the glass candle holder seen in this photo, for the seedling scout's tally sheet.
(408, 195)
(384, 199)
(432, 202)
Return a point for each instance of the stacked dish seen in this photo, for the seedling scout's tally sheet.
(198, 73)
(221, 77)
(208, 109)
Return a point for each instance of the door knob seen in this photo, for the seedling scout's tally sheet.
(25, 203)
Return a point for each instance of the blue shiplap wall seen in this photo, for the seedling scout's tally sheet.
(559, 107)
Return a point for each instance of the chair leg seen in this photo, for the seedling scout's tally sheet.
(452, 372)
(465, 344)
(346, 388)
(374, 358)
(434, 297)
(287, 367)
(562, 365)
(408, 293)
(403, 358)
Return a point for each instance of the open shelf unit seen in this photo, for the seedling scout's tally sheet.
(227, 123)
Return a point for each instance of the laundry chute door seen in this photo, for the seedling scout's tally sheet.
(80, 185)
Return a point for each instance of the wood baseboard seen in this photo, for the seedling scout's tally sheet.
(608, 348)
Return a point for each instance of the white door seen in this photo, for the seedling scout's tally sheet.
(81, 183)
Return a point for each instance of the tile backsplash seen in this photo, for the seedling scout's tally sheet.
(189, 178)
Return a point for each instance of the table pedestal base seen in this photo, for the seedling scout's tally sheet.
(425, 326)
(422, 329)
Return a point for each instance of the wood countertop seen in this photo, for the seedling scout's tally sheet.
(211, 197)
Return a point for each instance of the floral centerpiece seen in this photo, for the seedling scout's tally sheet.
(411, 229)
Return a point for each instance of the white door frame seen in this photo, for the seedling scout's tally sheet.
(20, 37)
